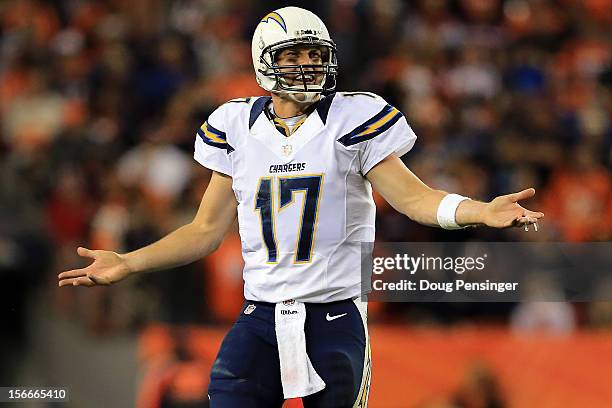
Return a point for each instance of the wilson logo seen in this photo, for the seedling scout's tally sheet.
(288, 312)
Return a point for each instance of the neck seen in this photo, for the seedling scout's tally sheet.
(285, 107)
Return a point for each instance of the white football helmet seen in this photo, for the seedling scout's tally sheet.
(288, 27)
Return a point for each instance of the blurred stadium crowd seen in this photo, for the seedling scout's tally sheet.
(100, 100)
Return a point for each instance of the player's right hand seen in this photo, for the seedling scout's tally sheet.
(107, 267)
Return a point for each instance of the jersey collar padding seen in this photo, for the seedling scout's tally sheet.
(259, 105)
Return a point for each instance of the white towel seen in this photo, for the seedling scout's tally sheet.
(298, 376)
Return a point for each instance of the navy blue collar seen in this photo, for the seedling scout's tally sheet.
(260, 104)
(258, 107)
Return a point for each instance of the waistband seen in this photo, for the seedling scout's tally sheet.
(309, 305)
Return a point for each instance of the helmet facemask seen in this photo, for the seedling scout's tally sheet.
(328, 69)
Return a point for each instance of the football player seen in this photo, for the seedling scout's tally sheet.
(297, 169)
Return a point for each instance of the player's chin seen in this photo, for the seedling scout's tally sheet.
(300, 97)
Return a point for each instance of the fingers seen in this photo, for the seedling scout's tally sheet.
(533, 214)
(79, 278)
(83, 276)
(522, 195)
(78, 272)
(80, 281)
(87, 253)
(529, 222)
(72, 274)
(528, 218)
(525, 221)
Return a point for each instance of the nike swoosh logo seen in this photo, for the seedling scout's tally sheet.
(330, 318)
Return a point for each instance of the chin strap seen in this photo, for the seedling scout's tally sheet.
(303, 97)
(308, 99)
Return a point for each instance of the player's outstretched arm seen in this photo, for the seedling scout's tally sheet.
(191, 242)
(410, 196)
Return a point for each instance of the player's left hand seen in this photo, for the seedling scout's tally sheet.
(505, 211)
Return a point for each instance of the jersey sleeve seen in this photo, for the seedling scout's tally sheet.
(384, 133)
(398, 138)
(212, 148)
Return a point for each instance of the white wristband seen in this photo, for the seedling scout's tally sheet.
(447, 209)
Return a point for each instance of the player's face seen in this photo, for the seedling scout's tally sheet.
(306, 56)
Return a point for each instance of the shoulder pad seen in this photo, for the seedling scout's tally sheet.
(240, 100)
(364, 94)
(357, 115)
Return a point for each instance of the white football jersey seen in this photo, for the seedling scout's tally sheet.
(304, 204)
